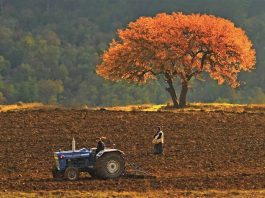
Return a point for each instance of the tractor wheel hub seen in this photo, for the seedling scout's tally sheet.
(113, 166)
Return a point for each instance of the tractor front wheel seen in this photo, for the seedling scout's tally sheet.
(71, 173)
(56, 174)
(110, 165)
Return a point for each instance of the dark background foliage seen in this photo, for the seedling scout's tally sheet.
(49, 50)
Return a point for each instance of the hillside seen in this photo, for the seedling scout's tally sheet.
(49, 50)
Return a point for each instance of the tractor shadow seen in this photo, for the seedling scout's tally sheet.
(137, 176)
(245, 181)
(88, 178)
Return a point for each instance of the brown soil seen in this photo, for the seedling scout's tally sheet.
(203, 150)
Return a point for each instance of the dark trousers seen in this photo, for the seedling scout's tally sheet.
(158, 148)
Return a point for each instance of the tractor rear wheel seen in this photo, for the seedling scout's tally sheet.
(110, 165)
(71, 173)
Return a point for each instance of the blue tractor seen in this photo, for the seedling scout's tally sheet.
(106, 164)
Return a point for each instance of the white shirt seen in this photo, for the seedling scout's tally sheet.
(159, 138)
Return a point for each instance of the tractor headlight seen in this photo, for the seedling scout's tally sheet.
(61, 156)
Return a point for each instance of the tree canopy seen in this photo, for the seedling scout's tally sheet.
(178, 45)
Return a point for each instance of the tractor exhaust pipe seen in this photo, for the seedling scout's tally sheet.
(73, 144)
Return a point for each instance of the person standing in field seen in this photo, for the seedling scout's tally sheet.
(158, 141)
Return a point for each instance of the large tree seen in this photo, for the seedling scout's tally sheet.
(178, 46)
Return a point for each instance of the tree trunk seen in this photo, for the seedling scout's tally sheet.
(183, 95)
(171, 90)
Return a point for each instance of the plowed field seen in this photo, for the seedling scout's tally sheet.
(203, 150)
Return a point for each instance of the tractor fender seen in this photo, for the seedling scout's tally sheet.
(101, 153)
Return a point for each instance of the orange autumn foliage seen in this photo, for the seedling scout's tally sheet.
(178, 45)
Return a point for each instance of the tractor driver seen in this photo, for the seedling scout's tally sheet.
(100, 145)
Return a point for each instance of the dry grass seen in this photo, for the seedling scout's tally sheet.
(173, 193)
(144, 107)
(24, 106)
(225, 107)
(207, 107)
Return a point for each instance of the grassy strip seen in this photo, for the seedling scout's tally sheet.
(208, 107)
(20, 106)
(105, 194)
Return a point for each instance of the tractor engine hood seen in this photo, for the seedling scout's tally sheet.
(73, 154)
